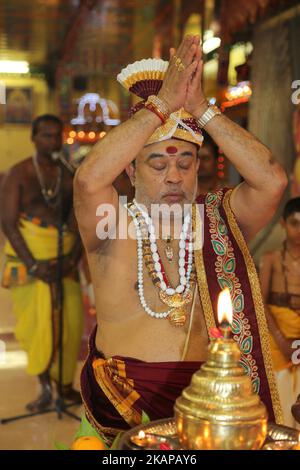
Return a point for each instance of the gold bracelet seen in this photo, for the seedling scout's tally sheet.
(160, 105)
(156, 111)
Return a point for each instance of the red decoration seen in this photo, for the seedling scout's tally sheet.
(172, 150)
(215, 333)
(164, 446)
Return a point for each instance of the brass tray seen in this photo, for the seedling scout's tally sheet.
(164, 431)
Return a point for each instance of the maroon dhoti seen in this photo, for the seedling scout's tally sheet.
(116, 391)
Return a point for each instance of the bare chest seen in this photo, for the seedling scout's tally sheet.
(285, 275)
(33, 201)
(124, 326)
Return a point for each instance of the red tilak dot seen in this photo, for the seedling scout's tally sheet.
(172, 150)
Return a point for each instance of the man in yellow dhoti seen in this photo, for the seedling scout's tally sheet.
(279, 274)
(30, 201)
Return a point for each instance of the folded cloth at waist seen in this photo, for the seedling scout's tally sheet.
(42, 241)
(285, 299)
(116, 391)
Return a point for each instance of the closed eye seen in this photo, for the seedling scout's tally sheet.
(159, 167)
(185, 163)
(185, 166)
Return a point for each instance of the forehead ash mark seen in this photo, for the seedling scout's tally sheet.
(172, 150)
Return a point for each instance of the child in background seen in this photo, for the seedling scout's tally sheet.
(280, 283)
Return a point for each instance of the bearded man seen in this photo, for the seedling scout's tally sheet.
(156, 296)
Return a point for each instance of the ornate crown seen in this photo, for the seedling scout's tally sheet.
(144, 78)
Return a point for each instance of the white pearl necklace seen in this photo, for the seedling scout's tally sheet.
(184, 274)
(140, 271)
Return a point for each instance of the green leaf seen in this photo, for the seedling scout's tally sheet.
(86, 429)
(145, 418)
(116, 441)
(60, 446)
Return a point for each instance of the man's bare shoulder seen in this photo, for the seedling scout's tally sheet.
(21, 168)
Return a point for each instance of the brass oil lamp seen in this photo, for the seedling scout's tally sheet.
(219, 409)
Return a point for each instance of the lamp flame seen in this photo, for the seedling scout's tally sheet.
(225, 307)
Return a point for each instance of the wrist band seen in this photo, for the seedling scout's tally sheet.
(156, 111)
(209, 114)
(158, 106)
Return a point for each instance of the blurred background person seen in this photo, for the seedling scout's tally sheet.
(33, 193)
(280, 283)
(208, 179)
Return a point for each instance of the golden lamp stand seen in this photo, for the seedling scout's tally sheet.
(219, 409)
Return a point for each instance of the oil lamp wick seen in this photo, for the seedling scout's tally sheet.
(225, 329)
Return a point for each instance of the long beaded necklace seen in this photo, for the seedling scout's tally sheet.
(176, 298)
(49, 194)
